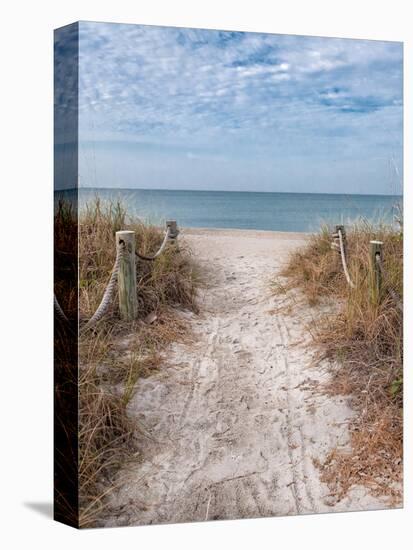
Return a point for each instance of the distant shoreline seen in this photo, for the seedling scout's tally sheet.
(237, 232)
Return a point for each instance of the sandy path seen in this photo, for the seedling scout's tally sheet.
(234, 420)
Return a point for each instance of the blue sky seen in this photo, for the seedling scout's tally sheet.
(180, 108)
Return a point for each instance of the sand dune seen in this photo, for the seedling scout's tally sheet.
(235, 421)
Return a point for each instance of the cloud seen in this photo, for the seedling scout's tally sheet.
(241, 95)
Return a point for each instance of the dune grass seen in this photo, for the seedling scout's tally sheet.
(363, 340)
(115, 354)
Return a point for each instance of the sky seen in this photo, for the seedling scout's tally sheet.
(164, 107)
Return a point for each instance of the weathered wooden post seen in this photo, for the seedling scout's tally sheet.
(341, 228)
(376, 255)
(173, 231)
(335, 245)
(128, 300)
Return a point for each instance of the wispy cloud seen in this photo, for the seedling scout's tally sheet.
(255, 99)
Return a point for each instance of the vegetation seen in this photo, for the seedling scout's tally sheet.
(363, 339)
(114, 354)
(65, 366)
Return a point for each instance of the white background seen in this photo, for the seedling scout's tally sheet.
(26, 273)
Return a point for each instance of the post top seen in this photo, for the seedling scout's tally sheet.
(125, 232)
(376, 242)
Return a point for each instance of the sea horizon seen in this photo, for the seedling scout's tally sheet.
(260, 210)
(93, 188)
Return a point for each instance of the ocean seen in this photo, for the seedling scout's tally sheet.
(301, 212)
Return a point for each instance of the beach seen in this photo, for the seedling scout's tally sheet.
(228, 274)
(234, 423)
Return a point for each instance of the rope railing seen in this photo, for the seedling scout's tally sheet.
(59, 311)
(124, 269)
(161, 248)
(109, 292)
(343, 259)
(340, 247)
(378, 272)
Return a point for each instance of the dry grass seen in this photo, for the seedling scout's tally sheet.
(65, 366)
(115, 354)
(363, 339)
(168, 281)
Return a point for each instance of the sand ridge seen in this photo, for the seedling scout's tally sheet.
(234, 421)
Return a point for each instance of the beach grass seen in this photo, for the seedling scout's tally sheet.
(116, 353)
(363, 340)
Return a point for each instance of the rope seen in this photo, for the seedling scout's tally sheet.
(395, 296)
(161, 248)
(110, 288)
(343, 259)
(108, 294)
(59, 311)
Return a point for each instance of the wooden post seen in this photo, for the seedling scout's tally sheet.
(128, 300)
(335, 245)
(376, 278)
(173, 232)
(173, 228)
(343, 233)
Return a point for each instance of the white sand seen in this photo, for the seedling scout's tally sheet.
(234, 421)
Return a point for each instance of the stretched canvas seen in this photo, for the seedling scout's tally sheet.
(228, 274)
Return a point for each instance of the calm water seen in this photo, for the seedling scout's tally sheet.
(241, 210)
